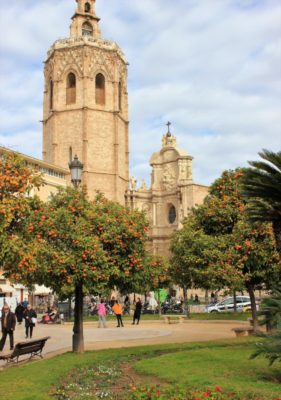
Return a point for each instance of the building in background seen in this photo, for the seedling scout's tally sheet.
(171, 196)
(85, 112)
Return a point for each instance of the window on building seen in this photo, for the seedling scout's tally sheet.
(87, 29)
(71, 88)
(100, 89)
(120, 96)
(172, 214)
(51, 98)
(70, 154)
(87, 7)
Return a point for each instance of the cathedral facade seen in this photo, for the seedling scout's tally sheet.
(86, 113)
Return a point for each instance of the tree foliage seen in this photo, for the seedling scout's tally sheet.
(17, 181)
(271, 317)
(71, 240)
(218, 247)
(262, 189)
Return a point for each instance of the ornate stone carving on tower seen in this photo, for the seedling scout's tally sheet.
(86, 105)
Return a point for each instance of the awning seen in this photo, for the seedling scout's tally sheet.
(19, 286)
(6, 288)
(41, 290)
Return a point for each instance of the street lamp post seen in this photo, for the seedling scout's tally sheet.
(76, 169)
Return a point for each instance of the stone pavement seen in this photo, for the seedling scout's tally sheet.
(147, 333)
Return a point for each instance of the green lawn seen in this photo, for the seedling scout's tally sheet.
(228, 367)
(223, 363)
(194, 316)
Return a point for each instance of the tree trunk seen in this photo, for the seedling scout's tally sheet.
(251, 292)
(234, 301)
(207, 296)
(78, 338)
(69, 308)
(185, 302)
(159, 302)
(276, 225)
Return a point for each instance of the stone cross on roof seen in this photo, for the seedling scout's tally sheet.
(168, 125)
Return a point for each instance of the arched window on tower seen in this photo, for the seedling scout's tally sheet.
(87, 7)
(51, 97)
(70, 154)
(120, 96)
(172, 214)
(100, 89)
(71, 88)
(87, 29)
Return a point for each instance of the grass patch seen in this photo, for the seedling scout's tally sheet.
(228, 367)
(227, 316)
(223, 363)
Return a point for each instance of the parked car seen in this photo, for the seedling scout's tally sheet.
(227, 304)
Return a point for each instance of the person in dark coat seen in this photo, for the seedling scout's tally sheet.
(19, 312)
(137, 312)
(29, 315)
(8, 324)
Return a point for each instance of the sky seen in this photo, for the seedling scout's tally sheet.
(210, 67)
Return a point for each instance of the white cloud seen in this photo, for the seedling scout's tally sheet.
(211, 67)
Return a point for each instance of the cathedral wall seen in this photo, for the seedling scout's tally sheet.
(123, 151)
(100, 142)
(48, 154)
(68, 134)
(105, 184)
(199, 193)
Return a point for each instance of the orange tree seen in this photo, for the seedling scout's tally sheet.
(85, 245)
(17, 180)
(219, 248)
(153, 274)
(157, 275)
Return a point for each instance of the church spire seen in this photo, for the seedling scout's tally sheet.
(85, 21)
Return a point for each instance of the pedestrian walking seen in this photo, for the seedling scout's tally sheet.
(117, 309)
(102, 314)
(127, 305)
(30, 317)
(19, 312)
(8, 324)
(112, 301)
(137, 312)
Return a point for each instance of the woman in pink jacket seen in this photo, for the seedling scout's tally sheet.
(102, 314)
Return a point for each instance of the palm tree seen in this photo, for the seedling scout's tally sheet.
(271, 313)
(262, 189)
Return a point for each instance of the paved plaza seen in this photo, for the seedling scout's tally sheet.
(147, 333)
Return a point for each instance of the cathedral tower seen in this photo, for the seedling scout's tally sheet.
(86, 105)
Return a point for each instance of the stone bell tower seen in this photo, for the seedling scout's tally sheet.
(86, 105)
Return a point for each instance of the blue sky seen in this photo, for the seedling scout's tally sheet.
(211, 67)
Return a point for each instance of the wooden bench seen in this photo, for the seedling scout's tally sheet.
(174, 319)
(241, 331)
(32, 347)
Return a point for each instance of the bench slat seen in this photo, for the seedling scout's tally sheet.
(32, 347)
